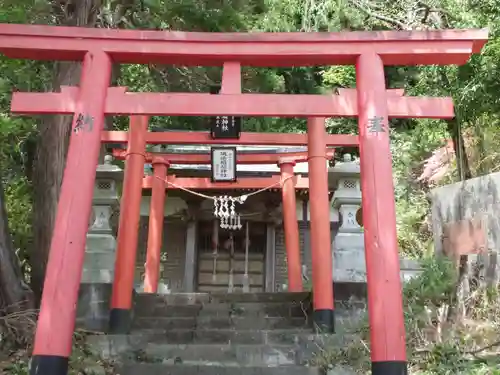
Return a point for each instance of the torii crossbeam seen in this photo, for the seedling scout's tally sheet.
(428, 47)
(242, 158)
(119, 102)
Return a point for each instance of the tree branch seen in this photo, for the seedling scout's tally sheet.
(477, 351)
(390, 21)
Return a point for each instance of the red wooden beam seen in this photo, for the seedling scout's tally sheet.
(200, 183)
(246, 138)
(119, 102)
(268, 105)
(347, 92)
(181, 158)
(258, 49)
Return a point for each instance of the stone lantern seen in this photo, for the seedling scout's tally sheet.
(348, 243)
(99, 264)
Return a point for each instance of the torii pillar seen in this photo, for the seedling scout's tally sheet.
(120, 317)
(291, 226)
(321, 253)
(56, 321)
(155, 233)
(385, 304)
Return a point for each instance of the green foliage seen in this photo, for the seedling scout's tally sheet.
(18, 134)
(14, 134)
(18, 367)
(410, 148)
(82, 361)
(339, 76)
(19, 206)
(435, 346)
(433, 287)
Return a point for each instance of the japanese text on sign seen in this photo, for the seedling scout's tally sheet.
(224, 164)
(84, 123)
(225, 127)
(223, 122)
(376, 125)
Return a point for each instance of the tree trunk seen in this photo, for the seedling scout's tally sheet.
(463, 167)
(49, 164)
(16, 329)
(14, 293)
(54, 132)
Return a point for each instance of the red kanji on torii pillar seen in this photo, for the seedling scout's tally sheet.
(369, 51)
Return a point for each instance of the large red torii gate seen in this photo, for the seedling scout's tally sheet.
(369, 51)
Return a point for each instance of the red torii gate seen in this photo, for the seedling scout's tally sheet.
(127, 232)
(160, 181)
(369, 51)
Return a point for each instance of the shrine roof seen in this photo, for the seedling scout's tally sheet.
(244, 149)
(249, 168)
(300, 168)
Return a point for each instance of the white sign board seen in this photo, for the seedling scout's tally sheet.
(223, 164)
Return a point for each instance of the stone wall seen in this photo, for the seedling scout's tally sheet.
(478, 199)
(350, 281)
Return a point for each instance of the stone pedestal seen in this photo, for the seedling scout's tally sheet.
(98, 268)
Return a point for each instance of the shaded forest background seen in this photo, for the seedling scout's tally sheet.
(32, 150)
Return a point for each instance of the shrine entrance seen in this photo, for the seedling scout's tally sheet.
(371, 102)
(231, 261)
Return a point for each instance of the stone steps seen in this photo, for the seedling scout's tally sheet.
(223, 336)
(204, 298)
(236, 354)
(228, 336)
(212, 334)
(229, 354)
(215, 322)
(223, 309)
(155, 307)
(164, 369)
(138, 339)
(253, 348)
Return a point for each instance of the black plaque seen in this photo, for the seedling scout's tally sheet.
(224, 127)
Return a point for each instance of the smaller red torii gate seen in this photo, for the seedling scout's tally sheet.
(98, 49)
(136, 156)
(160, 181)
